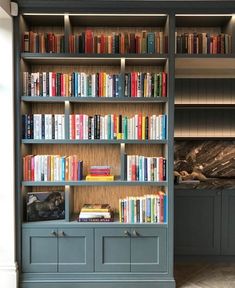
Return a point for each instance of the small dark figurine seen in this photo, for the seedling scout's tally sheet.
(52, 207)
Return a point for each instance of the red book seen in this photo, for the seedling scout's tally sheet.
(88, 41)
(133, 172)
(160, 169)
(164, 84)
(133, 84)
(53, 84)
(139, 127)
(72, 125)
(102, 44)
(32, 168)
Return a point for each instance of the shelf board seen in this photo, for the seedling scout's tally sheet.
(204, 137)
(205, 66)
(95, 100)
(205, 106)
(94, 59)
(90, 224)
(93, 183)
(95, 141)
(184, 20)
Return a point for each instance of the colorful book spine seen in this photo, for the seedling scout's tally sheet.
(117, 127)
(141, 168)
(52, 168)
(144, 209)
(43, 126)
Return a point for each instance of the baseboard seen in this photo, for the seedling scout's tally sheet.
(117, 284)
(9, 275)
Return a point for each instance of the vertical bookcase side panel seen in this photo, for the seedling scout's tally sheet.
(230, 29)
(67, 31)
(170, 146)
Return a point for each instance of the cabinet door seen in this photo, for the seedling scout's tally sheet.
(197, 222)
(228, 222)
(39, 250)
(76, 249)
(148, 249)
(112, 250)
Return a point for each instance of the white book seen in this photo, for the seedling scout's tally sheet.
(62, 126)
(92, 129)
(44, 84)
(56, 126)
(45, 167)
(154, 127)
(157, 128)
(77, 126)
(160, 126)
(158, 168)
(85, 127)
(136, 127)
(32, 84)
(79, 84)
(102, 127)
(106, 127)
(149, 168)
(93, 86)
(50, 83)
(83, 84)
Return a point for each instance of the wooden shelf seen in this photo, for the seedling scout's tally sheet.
(204, 106)
(95, 100)
(94, 59)
(205, 66)
(75, 223)
(95, 141)
(93, 183)
(204, 138)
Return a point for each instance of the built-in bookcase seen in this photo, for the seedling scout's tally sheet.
(156, 258)
(205, 82)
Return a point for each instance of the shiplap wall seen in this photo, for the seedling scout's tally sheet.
(203, 122)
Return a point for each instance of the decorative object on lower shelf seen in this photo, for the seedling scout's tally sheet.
(100, 173)
(144, 209)
(45, 206)
(96, 213)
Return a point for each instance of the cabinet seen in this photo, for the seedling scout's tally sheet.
(197, 222)
(136, 250)
(57, 250)
(208, 228)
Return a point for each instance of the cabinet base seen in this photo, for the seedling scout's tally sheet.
(131, 284)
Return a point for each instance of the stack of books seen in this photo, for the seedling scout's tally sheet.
(96, 213)
(100, 173)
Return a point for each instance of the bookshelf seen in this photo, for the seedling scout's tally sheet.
(204, 82)
(204, 103)
(96, 251)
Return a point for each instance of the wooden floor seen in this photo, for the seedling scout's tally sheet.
(205, 274)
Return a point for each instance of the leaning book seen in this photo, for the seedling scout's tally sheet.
(45, 206)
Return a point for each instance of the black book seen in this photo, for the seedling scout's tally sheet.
(58, 84)
(95, 126)
(89, 127)
(98, 127)
(120, 124)
(127, 86)
(164, 169)
(31, 126)
(116, 44)
(138, 210)
(47, 84)
(97, 85)
(40, 84)
(146, 127)
(132, 43)
(43, 126)
(72, 84)
(83, 39)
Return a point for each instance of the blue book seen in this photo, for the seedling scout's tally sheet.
(150, 42)
(63, 169)
(145, 169)
(76, 84)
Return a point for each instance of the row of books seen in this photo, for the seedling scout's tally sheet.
(118, 43)
(145, 209)
(33, 42)
(52, 168)
(111, 126)
(203, 43)
(96, 213)
(102, 84)
(43, 126)
(141, 168)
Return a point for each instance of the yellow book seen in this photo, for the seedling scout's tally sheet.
(99, 178)
(143, 127)
(52, 167)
